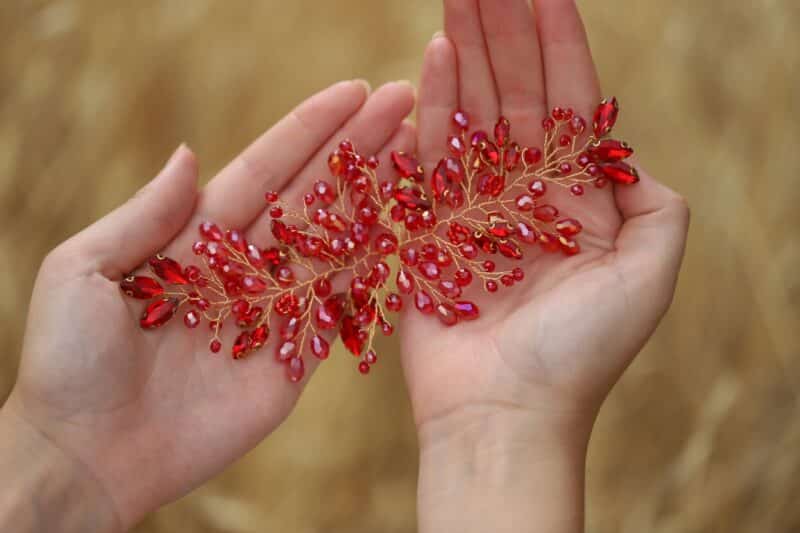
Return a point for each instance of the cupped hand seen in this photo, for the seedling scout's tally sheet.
(152, 415)
(551, 347)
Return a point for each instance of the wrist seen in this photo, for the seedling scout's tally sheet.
(44, 488)
(501, 469)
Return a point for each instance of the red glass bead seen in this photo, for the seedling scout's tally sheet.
(532, 156)
(568, 246)
(386, 243)
(548, 124)
(446, 314)
(168, 269)
(409, 256)
(141, 287)
(408, 166)
(236, 239)
(286, 350)
(605, 117)
(489, 266)
(199, 248)
(241, 345)
(215, 346)
(620, 172)
(210, 231)
(557, 113)
(290, 328)
(468, 250)
(158, 313)
(549, 242)
(525, 202)
(537, 188)
(507, 280)
(430, 270)
(373, 162)
(405, 282)
(270, 197)
(512, 157)
(325, 192)
(501, 131)
(609, 151)
(370, 358)
(456, 145)
(322, 287)
(253, 285)
(577, 125)
(461, 120)
(259, 337)
(463, 277)
(319, 347)
(491, 286)
(363, 367)
(191, 319)
(545, 213)
(449, 288)
(564, 141)
(569, 227)
(276, 211)
(600, 183)
(296, 369)
(352, 338)
(518, 274)
(466, 310)
(576, 190)
(424, 302)
(565, 168)
(510, 249)
(284, 275)
(526, 233)
(394, 302)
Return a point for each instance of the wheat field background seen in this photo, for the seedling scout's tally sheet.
(701, 435)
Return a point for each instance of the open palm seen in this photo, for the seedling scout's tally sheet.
(153, 415)
(557, 341)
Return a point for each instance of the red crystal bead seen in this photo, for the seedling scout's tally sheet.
(284, 275)
(577, 125)
(409, 256)
(568, 246)
(210, 231)
(545, 213)
(319, 347)
(532, 156)
(270, 197)
(501, 131)
(296, 369)
(276, 211)
(446, 314)
(286, 350)
(253, 285)
(168, 270)
(386, 243)
(456, 145)
(466, 310)
(405, 283)
(430, 270)
(463, 277)
(141, 287)
(449, 288)
(576, 190)
(325, 192)
(620, 172)
(241, 345)
(568, 227)
(605, 117)
(512, 157)
(363, 367)
(191, 319)
(352, 337)
(322, 287)
(509, 249)
(525, 202)
(537, 188)
(468, 250)
(424, 302)
(259, 337)
(215, 346)
(158, 313)
(370, 358)
(526, 233)
(609, 151)
(461, 120)
(549, 242)
(491, 286)
(394, 302)
(237, 240)
(408, 166)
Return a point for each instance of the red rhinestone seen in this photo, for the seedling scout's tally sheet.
(296, 369)
(461, 120)
(284, 275)
(191, 319)
(286, 350)
(512, 157)
(463, 277)
(510, 249)
(446, 314)
(241, 345)
(549, 242)
(532, 156)
(141, 287)
(290, 328)
(210, 231)
(424, 302)
(168, 270)
(407, 166)
(609, 151)
(605, 117)
(199, 248)
(467, 310)
(478, 138)
(286, 304)
(468, 250)
(545, 213)
(259, 337)
(501, 131)
(620, 172)
(158, 313)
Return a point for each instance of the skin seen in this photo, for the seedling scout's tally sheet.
(507, 402)
(107, 423)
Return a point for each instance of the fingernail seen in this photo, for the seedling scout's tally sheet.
(438, 34)
(365, 84)
(178, 151)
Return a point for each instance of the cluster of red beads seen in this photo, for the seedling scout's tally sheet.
(329, 271)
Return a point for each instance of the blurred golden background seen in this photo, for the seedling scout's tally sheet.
(703, 432)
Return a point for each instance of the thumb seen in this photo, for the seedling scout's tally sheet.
(652, 240)
(122, 240)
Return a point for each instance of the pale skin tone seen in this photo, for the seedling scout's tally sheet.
(130, 421)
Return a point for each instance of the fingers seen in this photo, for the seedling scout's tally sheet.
(477, 92)
(369, 130)
(516, 61)
(235, 196)
(438, 99)
(123, 239)
(653, 236)
(570, 75)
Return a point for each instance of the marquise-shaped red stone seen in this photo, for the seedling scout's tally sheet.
(605, 116)
(408, 166)
(158, 313)
(141, 287)
(168, 270)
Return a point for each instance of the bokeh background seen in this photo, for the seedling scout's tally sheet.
(702, 434)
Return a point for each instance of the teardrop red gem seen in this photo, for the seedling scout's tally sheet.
(168, 270)
(158, 313)
(141, 287)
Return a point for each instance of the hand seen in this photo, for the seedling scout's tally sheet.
(522, 385)
(150, 416)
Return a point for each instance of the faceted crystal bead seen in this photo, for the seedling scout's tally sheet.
(609, 151)
(467, 310)
(568, 227)
(158, 313)
(210, 231)
(424, 302)
(446, 314)
(620, 172)
(259, 337)
(241, 345)
(296, 369)
(141, 287)
(168, 270)
(286, 350)
(605, 117)
(545, 213)
(191, 319)
(319, 347)
(407, 166)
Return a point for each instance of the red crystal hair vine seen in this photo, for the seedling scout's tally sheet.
(484, 202)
